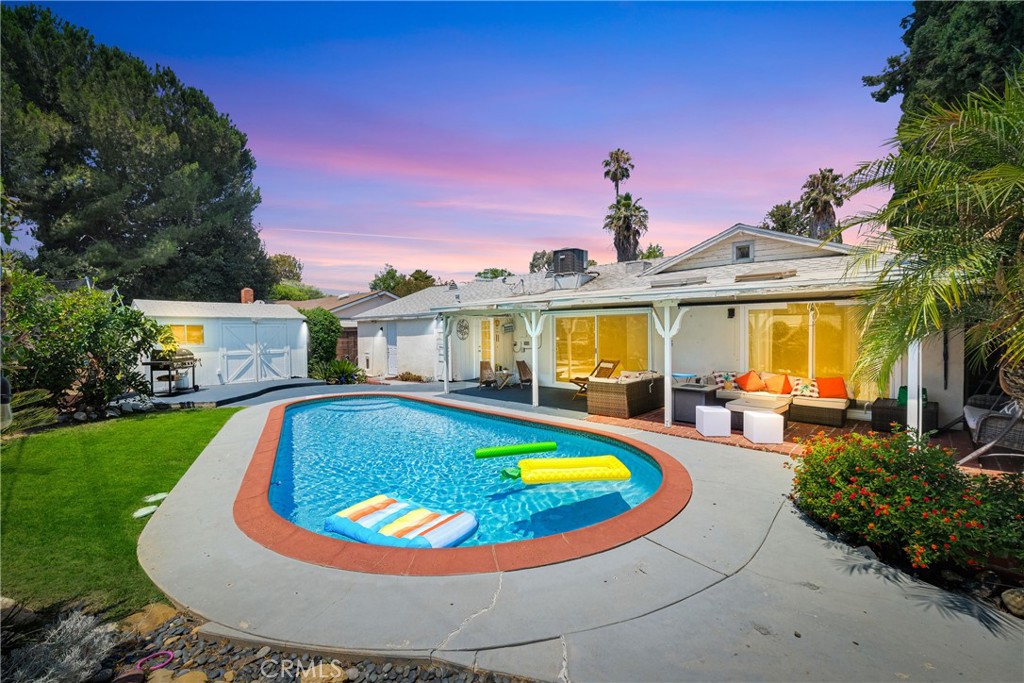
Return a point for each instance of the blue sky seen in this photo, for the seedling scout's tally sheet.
(459, 136)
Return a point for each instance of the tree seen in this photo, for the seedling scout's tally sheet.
(290, 290)
(415, 281)
(652, 251)
(387, 280)
(82, 347)
(123, 172)
(953, 48)
(786, 217)
(286, 267)
(399, 284)
(617, 167)
(541, 261)
(955, 231)
(324, 331)
(824, 192)
(627, 221)
(494, 273)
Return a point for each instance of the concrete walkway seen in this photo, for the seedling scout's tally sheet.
(737, 587)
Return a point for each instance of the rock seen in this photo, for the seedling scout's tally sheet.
(127, 409)
(951, 576)
(149, 619)
(13, 614)
(80, 416)
(387, 667)
(1014, 601)
(147, 407)
(229, 676)
(192, 677)
(351, 673)
(867, 552)
(111, 412)
(262, 652)
(160, 676)
(91, 415)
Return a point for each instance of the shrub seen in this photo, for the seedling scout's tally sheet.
(71, 650)
(82, 346)
(409, 377)
(292, 290)
(900, 492)
(324, 330)
(339, 371)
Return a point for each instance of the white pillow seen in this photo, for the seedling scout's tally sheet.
(807, 388)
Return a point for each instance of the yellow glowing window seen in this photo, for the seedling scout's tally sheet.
(623, 338)
(486, 338)
(836, 338)
(191, 335)
(779, 339)
(574, 347)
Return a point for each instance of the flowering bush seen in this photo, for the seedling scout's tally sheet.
(899, 491)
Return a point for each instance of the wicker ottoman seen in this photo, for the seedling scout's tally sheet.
(819, 411)
(625, 399)
(885, 411)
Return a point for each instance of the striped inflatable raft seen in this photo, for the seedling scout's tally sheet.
(385, 521)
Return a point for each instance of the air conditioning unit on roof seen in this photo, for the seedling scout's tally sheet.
(565, 261)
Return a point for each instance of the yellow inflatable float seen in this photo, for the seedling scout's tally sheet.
(558, 470)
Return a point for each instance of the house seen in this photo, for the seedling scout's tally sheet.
(344, 308)
(747, 298)
(243, 342)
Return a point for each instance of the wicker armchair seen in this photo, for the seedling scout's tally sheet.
(986, 422)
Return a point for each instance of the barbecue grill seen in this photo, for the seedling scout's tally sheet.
(174, 364)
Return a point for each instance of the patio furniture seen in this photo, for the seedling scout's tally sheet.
(763, 427)
(625, 398)
(885, 411)
(487, 377)
(525, 374)
(819, 411)
(987, 417)
(503, 378)
(175, 364)
(687, 397)
(757, 404)
(713, 420)
(603, 369)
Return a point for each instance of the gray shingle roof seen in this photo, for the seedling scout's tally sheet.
(208, 309)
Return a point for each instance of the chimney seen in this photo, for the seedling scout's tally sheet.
(247, 296)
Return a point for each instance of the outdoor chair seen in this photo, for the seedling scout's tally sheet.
(487, 378)
(525, 374)
(603, 369)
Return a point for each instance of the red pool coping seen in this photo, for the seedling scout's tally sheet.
(254, 516)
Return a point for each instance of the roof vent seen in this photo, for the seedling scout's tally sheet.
(765, 274)
(566, 261)
(452, 285)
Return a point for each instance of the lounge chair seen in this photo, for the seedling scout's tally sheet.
(604, 368)
(525, 374)
(487, 378)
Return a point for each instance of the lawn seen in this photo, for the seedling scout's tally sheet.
(66, 530)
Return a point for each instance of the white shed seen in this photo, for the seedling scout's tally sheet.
(236, 342)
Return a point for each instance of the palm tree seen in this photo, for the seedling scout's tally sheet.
(627, 220)
(951, 240)
(824, 192)
(617, 167)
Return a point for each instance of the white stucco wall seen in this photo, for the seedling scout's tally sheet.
(950, 398)
(417, 346)
(708, 340)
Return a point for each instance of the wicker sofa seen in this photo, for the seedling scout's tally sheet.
(985, 418)
(821, 411)
(625, 396)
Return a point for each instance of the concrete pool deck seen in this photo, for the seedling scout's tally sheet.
(739, 586)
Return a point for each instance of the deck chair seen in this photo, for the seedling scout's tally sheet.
(525, 374)
(487, 378)
(604, 368)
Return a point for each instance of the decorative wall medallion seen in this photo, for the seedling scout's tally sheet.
(462, 329)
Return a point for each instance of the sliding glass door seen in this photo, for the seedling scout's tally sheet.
(580, 341)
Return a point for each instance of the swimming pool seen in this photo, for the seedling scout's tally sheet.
(334, 454)
(255, 516)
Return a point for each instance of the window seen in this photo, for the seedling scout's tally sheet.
(486, 341)
(189, 335)
(742, 252)
(807, 340)
(581, 341)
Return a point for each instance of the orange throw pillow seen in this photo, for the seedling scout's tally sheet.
(750, 382)
(778, 384)
(831, 387)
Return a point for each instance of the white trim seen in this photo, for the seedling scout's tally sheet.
(750, 253)
(593, 313)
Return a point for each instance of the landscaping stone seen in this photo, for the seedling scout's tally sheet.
(80, 416)
(14, 614)
(1014, 601)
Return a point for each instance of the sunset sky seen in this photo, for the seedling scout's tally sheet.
(459, 136)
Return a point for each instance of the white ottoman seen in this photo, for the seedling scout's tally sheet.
(713, 421)
(762, 427)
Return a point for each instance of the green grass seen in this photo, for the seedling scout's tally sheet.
(66, 499)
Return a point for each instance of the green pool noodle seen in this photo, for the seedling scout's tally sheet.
(516, 449)
(510, 473)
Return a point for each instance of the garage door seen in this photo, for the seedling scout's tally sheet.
(255, 352)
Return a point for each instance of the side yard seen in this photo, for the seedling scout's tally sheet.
(66, 503)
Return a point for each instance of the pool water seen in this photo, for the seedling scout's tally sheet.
(333, 454)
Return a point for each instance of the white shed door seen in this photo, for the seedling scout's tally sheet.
(240, 352)
(274, 351)
(391, 332)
